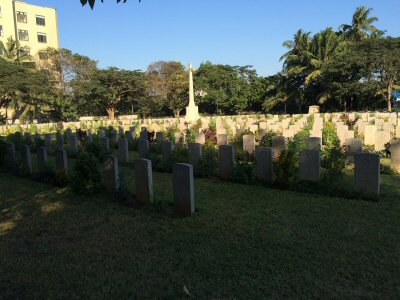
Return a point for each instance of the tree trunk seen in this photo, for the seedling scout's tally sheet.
(111, 113)
(177, 113)
(389, 97)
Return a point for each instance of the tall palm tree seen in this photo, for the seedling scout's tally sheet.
(295, 57)
(361, 27)
(324, 46)
(279, 91)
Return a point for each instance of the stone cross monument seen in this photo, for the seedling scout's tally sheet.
(192, 111)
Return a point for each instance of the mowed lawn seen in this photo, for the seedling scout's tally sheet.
(244, 242)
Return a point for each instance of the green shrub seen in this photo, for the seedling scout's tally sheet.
(208, 164)
(333, 158)
(244, 171)
(85, 177)
(95, 148)
(60, 178)
(287, 165)
(133, 145)
(180, 154)
(266, 140)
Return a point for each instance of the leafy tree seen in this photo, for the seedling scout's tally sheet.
(168, 85)
(381, 61)
(68, 71)
(280, 90)
(12, 51)
(112, 88)
(23, 89)
(324, 46)
(361, 27)
(223, 88)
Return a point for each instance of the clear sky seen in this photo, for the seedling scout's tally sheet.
(235, 32)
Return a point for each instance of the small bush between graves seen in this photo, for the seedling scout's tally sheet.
(181, 154)
(286, 167)
(244, 171)
(266, 140)
(85, 177)
(208, 164)
(61, 178)
(95, 148)
(332, 157)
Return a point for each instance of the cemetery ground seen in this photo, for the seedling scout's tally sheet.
(244, 241)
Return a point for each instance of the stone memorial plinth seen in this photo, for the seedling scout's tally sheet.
(367, 173)
(314, 143)
(59, 140)
(200, 138)
(192, 111)
(42, 159)
(143, 148)
(313, 109)
(310, 165)
(249, 144)
(73, 142)
(144, 181)
(110, 173)
(11, 160)
(222, 139)
(278, 144)
(183, 189)
(381, 139)
(61, 160)
(395, 154)
(123, 153)
(264, 159)
(195, 154)
(369, 134)
(353, 146)
(105, 145)
(167, 155)
(26, 159)
(160, 137)
(178, 138)
(226, 162)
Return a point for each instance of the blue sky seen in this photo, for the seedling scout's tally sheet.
(235, 32)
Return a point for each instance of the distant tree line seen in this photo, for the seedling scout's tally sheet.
(353, 68)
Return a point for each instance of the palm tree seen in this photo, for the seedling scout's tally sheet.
(294, 59)
(12, 51)
(324, 46)
(279, 91)
(361, 27)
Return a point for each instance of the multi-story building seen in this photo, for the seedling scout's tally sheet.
(35, 27)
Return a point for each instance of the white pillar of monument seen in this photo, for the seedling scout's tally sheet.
(192, 111)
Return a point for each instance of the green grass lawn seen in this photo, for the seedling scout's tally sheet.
(244, 242)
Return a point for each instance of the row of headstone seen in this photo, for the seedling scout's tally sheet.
(183, 183)
(366, 174)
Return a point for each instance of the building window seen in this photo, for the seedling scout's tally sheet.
(21, 17)
(1, 30)
(43, 55)
(24, 52)
(23, 35)
(40, 20)
(41, 37)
